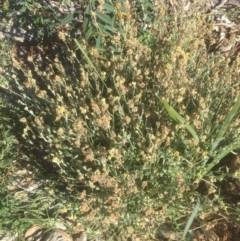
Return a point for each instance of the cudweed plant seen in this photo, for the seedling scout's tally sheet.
(107, 134)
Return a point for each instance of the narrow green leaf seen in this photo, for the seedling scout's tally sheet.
(191, 219)
(173, 114)
(105, 18)
(121, 29)
(109, 28)
(231, 113)
(87, 58)
(191, 130)
(67, 19)
(89, 31)
(219, 157)
(99, 42)
(108, 7)
(101, 27)
(178, 118)
(86, 20)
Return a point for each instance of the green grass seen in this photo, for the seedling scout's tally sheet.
(122, 137)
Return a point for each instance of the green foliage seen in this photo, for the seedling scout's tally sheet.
(191, 218)
(174, 115)
(146, 38)
(37, 15)
(232, 112)
(5, 5)
(98, 20)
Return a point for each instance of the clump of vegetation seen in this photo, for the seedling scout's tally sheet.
(128, 131)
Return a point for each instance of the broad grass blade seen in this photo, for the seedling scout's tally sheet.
(231, 113)
(191, 219)
(178, 118)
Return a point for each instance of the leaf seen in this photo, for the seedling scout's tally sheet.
(86, 19)
(101, 27)
(191, 219)
(220, 156)
(5, 5)
(231, 113)
(148, 5)
(99, 42)
(68, 2)
(121, 29)
(69, 18)
(88, 33)
(108, 7)
(175, 116)
(105, 18)
(87, 58)
(110, 28)
(104, 28)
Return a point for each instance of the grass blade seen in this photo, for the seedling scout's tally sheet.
(87, 58)
(191, 219)
(69, 18)
(178, 118)
(108, 7)
(105, 18)
(99, 42)
(86, 21)
(219, 157)
(231, 113)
